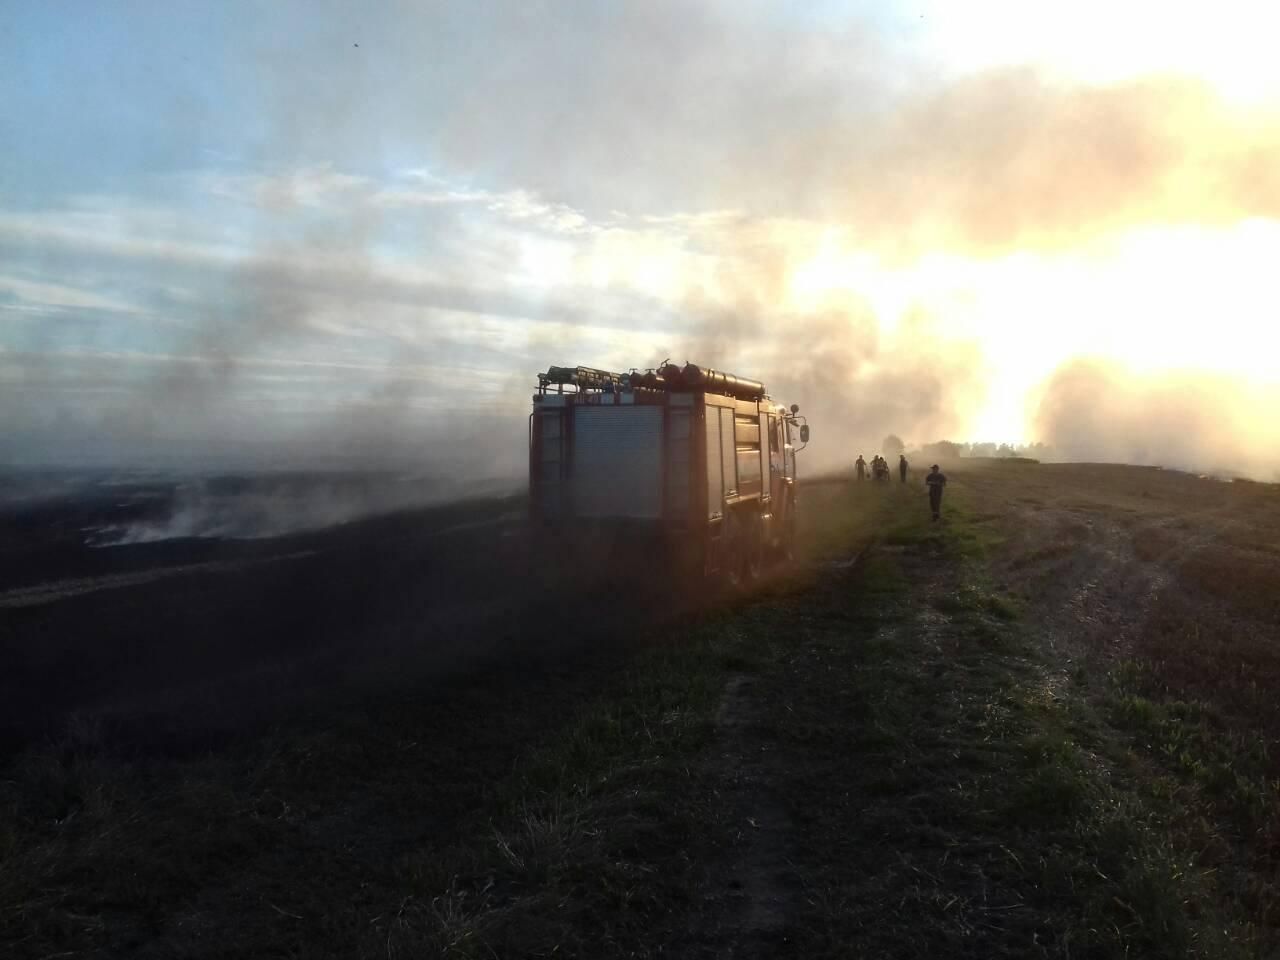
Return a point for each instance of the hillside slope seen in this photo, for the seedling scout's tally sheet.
(1041, 727)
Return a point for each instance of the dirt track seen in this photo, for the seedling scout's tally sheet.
(1098, 550)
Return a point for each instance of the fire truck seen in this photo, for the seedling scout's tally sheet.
(698, 462)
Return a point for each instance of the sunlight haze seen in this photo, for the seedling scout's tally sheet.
(302, 233)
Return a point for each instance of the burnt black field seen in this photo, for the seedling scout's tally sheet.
(170, 613)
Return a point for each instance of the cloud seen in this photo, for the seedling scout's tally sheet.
(493, 188)
(670, 108)
(1010, 159)
(854, 377)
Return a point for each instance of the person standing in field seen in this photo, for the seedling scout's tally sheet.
(861, 466)
(936, 481)
(902, 468)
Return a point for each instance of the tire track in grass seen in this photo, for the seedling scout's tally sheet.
(751, 894)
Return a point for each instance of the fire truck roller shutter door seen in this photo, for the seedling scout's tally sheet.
(551, 460)
(747, 430)
(764, 455)
(715, 473)
(617, 465)
(728, 453)
(678, 459)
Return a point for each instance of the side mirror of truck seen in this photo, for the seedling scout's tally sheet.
(804, 433)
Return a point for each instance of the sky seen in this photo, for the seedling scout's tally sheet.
(327, 234)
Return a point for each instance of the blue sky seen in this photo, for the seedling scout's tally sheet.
(296, 232)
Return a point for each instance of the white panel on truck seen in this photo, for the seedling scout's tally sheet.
(678, 452)
(764, 456)
(748, 467)
(728, 452)
(617, 462)
(552, 458)
(715, 487)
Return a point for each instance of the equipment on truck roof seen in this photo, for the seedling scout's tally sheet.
(698, 461)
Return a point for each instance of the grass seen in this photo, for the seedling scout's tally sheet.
(1178, 654)
(978, 818)
(878, 758)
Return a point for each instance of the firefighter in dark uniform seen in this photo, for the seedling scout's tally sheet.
(936, 481)
(861, 466)
(902, 468)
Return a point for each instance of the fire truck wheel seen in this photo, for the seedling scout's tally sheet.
(782, 551)
(753, 556)
(750, 550)
(787, 549)
(741, 552)
(734, 569)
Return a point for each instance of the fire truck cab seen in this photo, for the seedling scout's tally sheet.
(699, 462)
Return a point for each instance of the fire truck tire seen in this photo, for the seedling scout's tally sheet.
(740, 550)
(753, 554)
(787, 542)
(749, 550)
(733, 568)
(753, 563)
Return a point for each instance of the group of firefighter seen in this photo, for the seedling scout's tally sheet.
(879, 470)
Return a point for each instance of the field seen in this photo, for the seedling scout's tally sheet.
(1045, 726)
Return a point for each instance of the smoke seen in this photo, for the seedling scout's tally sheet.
(1098, 410)
(854, 376)
(275, 505)
(667, 107)
(414, 225)
(855, 383)
(1010, 160)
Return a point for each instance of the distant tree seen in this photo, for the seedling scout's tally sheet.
(942, 450)
(892, 446)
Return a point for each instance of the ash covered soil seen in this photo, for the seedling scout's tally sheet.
(1045, 726)
(171, 621)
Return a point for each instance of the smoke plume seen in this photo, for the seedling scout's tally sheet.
(854, 377)
(393, 235)
(1100, 411)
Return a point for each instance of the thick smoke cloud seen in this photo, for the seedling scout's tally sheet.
(1099, 411)
(664, 108)
(1011, 160)
(854, 376)
(856, 383)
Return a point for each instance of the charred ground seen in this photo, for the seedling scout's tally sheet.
(1043, 727)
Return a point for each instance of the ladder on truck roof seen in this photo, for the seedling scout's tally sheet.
(668, 377)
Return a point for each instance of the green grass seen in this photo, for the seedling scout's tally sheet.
(987, 824)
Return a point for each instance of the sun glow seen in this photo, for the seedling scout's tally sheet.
(1154, 300)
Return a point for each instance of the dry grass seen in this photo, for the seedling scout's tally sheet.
(1176, 581)
(941, 781)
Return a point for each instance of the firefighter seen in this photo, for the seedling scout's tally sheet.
(861, 466)
(936, 481)
(902, 468)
